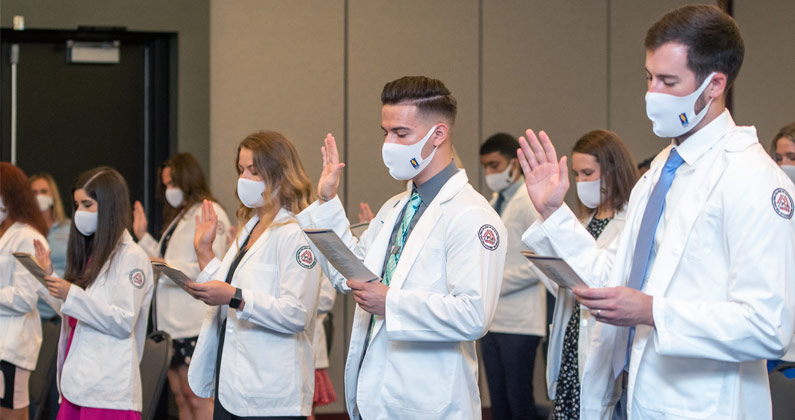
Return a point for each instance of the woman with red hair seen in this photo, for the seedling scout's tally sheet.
(21, 223)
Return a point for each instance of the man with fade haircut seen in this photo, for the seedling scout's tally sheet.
(702, 289)
(439, 249)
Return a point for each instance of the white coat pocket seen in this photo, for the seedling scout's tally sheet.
(266, 364)
(419, 376)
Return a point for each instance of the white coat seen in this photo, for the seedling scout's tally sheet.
(592, 372)
(723, 284)
(20, 326)
(324, 305)
(421, 362)
(522, 307)
(267, 364)
(101, 369)
(178, 313)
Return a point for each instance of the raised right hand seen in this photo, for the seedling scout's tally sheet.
(203, 238)
(546, 179)
(332, 169)
(139, 220)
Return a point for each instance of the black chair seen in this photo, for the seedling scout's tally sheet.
(42, 379)
(154, 368)
(782, 392)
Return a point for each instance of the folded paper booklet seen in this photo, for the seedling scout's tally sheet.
(30, 263)
(335, 251)
(556, 269)
(172, 273)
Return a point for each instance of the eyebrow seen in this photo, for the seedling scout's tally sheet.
(662, 76)
(393, 129)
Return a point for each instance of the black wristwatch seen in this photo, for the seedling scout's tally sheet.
(237, 299)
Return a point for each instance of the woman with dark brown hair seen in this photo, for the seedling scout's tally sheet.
(605, 174)
(255, 350)
(106, 293)
(21, 224)
(183, 188)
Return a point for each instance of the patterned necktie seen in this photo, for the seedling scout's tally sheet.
(642, 253)
(400, 239)
(397, 247)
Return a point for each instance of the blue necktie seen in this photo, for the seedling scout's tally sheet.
(499, 203)
(642, 254)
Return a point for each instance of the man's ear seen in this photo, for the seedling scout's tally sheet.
(718, 85)
(440, 133)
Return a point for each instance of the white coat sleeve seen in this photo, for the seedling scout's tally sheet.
(149, 244)
(327, 296)
(519, 276)
(473, 276)
(20, 296)
(562, 235)
(292, 311)
(331, 215)
(755, 321)
(117, 316)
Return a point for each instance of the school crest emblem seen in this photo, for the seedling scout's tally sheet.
(782, 203)
(137, 278)
(305, 257)
(489, 237)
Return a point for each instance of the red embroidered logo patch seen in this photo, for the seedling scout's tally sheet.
(489, 237)
(137, 278)
(782, 203)
(305, 257)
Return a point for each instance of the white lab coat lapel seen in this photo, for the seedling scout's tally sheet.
(419, 235)
(374, 260)
(688, 209)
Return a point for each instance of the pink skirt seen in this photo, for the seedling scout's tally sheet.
(324, 391)
(69, 411)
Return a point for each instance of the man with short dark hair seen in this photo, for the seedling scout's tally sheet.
(519, 324)
(703, 279)
(439, 248)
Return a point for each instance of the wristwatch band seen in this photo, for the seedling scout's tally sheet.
(237, 299)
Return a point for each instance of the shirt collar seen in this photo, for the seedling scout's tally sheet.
(428, 190)
(696, 145)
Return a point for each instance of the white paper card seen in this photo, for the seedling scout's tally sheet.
(342, 258)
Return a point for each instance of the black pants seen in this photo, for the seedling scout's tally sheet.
(509, 361)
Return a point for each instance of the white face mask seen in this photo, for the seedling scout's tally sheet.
(590, 193)
(250, 192)
(789, 170)
(3, 211)
(86, 222)
(174, 197)
(405, 162)
(499, 181)
(45, 202)
(673, 116)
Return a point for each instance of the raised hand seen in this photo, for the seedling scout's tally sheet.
(365, 213)
(139, 220)
(332, 169)
(203, 238)
(546, 179)
(43, 256)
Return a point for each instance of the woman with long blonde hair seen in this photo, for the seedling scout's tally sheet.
(254, 352)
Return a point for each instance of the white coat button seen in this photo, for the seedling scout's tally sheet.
(584, 322)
